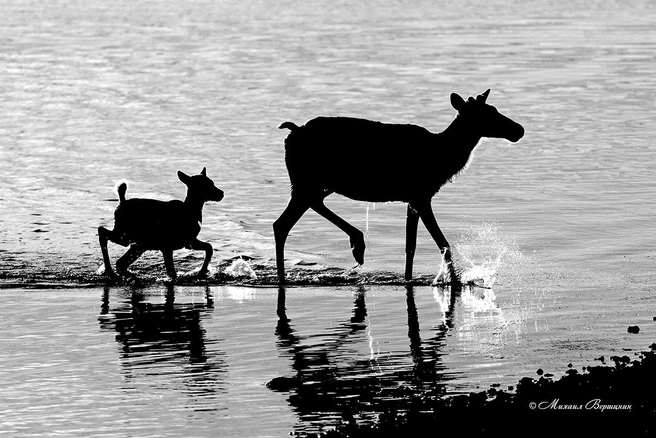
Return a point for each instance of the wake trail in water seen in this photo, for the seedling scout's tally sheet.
(480, 254)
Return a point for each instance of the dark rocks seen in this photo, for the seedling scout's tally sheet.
(601, 400)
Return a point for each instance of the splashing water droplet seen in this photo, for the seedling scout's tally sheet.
(240, 268)
(485, 272)
(485, 250)
(443, 275)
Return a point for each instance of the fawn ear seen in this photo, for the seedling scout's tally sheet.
(457, 102)
(186, 179)
(204, 172)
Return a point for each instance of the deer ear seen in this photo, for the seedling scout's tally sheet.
(457, 102)
(184, 177)
(204, 172)
(484, 96)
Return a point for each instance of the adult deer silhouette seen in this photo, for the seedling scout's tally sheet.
(378, 162)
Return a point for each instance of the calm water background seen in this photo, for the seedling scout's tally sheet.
(93, 92)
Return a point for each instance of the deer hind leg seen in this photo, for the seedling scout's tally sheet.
(282, 226)
(356, 236)
(203, 246)
(105, 235)
(130, 256)
(427, 216)
(168, 263)
(411, 224)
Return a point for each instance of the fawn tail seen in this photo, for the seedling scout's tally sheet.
(288, 125)
(121, 189)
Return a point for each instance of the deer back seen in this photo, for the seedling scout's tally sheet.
(156, 224)
(366, 160)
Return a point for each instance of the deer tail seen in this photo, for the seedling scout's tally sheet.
(121, 189)
(288, 125)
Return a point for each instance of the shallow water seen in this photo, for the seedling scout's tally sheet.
(243, 361)
(559, 225)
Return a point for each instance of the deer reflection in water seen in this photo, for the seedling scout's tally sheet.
(327, 384)
(164, 344)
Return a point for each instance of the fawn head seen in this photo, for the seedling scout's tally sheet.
(485, 119)
(201, 187)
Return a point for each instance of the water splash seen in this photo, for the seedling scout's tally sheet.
(472, 301)
(485, 272)
(240, 268)
(483, 250)
(443, 274)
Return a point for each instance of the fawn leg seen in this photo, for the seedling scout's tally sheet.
(282, 226)
(411, 223)
(168, 263)
(203, 246)
(355, 235)
(132, 254)
(103, 236)
(428, 218)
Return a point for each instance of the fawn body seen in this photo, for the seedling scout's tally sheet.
(379, 162)
(148, 224)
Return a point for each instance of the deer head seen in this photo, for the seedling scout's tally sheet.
(485, 119)
(201, 187)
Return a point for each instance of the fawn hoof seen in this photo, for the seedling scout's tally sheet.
(107, 272)
(357, 248)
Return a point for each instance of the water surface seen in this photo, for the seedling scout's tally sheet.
(243, 361)
(560, 224)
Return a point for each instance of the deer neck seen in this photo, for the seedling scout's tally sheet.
(461, 136)
(194, 207)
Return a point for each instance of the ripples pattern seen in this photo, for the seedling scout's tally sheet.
(558, 229)
(164, 345)
(94, 94)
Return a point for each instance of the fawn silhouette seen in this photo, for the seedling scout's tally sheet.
(378, 162)
(148, 224)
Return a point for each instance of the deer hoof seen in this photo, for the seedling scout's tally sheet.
(357, 248)
(455, 279)
(202, 273)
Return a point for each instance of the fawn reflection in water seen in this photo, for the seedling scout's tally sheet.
(163, 345)
(329, 383)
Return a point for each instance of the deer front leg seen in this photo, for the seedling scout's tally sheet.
(168, 263)
(412, 221)
(207, 247)
(425, 212)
